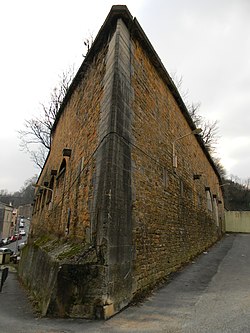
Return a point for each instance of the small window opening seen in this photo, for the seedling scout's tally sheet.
(62, 168)
(209, 201)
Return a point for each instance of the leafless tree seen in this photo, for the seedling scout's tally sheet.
(35, 137)
(210, 129)
(88, 43)
(222, 171)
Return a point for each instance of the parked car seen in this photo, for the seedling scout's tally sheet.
(22, 232)
(6, 250)
(21, 246)
(5, 241)
(12, 239)
(15, 238)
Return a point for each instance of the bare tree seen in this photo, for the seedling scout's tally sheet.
(35, 138)
(88, 43)
(210, 129)
(210, 134)
(222, 171)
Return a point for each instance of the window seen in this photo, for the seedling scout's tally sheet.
(209, 200)
(62, 169)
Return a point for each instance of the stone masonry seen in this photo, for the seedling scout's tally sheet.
(113, 214)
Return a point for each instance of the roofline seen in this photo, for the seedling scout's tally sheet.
(6, 205)
(121, 11)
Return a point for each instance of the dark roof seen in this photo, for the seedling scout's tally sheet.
(6, 205)
(121, 11)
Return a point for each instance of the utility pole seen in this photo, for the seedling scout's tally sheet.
(17, 232)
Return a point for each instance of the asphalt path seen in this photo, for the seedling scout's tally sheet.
(210, 295)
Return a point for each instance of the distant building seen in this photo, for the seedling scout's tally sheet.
(6, 220)
(128, 192)
(25, 210)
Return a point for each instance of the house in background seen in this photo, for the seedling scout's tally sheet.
(128, 192)
(6, 220)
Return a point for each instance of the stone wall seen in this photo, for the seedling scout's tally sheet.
(90, 198)
(65, 279)
(113, 215)
(62, 239)
(171, 218)
(68, 207)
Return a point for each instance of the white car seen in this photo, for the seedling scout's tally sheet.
(6, 250)
(22, 232)
(21, 246)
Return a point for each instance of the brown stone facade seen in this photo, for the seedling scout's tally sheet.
(171, 219)
(114, 214)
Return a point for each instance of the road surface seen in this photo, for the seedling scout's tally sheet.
(211, 295)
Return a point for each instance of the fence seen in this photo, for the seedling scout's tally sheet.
(237, 221)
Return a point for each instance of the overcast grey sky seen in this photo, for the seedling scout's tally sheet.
(206, 42)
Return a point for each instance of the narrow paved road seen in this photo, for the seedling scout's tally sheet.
(211, 295)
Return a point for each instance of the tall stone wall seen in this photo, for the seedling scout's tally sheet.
(68, 209)
(171, 218)
(112, 215)
(90, 198)
(66, 270)
(111, 221)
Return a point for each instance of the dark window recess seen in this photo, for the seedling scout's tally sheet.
(62, 169)
(68, 221)
(53, 172)
(67, 152)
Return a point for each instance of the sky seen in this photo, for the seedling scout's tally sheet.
(204, 42)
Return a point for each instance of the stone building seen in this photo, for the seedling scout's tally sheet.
(6, 220)
(129, 192)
